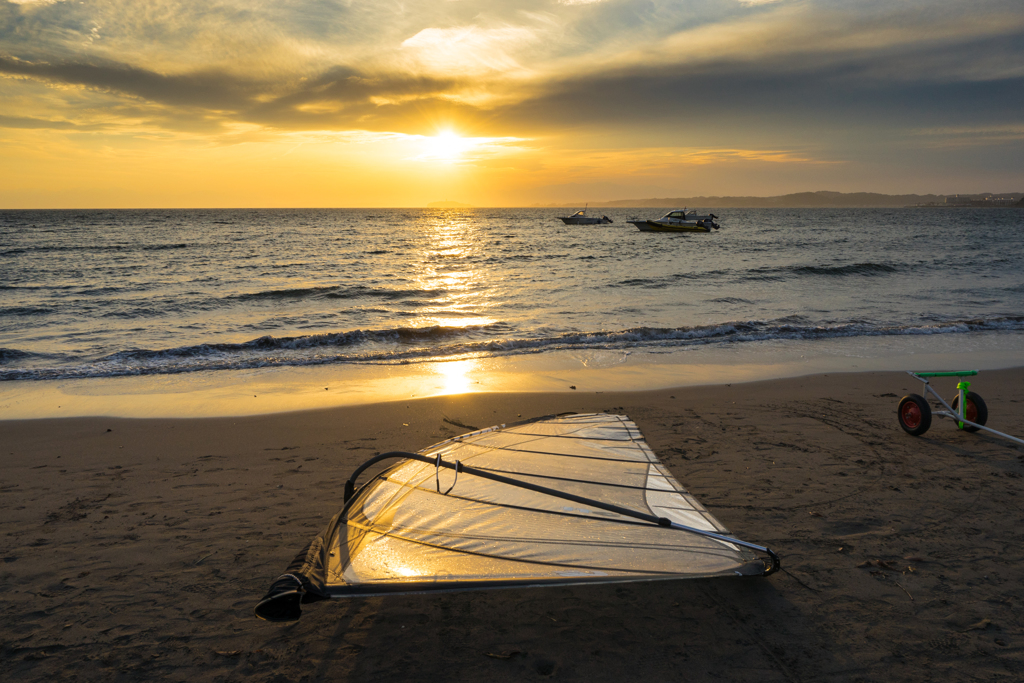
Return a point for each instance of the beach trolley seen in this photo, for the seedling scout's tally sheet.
(968, 409)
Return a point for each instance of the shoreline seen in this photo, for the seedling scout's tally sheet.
(137, 548)
(281, 390)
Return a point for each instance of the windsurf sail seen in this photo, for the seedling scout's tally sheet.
(568, 499)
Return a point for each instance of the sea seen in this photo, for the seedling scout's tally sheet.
(110, 293)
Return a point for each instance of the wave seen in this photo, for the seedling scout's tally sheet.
(646, 283)
(401, 336)
(667, 281)
(336, 292)
(414, 345)
(730, 300)
(20, 311)
(9, 355)
(852, 269)
(862, 269)
(162, 247)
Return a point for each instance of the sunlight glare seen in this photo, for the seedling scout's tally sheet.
(447, 146)
(455, 376)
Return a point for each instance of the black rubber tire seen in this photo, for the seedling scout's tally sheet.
(980, 409)
(914, 414)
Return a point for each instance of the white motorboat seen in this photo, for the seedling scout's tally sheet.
(581, 218)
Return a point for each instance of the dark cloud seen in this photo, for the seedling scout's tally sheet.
(343, 98)
(343, 86)
(205, 89)
(28, 122)
(338, 98)
(884, 91)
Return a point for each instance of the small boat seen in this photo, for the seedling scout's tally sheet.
(678, 220)
(581, 218)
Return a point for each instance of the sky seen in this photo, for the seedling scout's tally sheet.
(353, 103)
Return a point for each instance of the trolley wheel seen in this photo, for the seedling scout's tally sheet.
(977, 411)
(915, 414)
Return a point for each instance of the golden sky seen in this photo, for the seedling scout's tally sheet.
(295, 103)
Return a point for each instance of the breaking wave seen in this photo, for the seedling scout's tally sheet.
(412, 345)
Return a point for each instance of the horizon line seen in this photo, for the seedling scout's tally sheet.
(608, 203)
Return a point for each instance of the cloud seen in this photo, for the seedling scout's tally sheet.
(721, 78)
(469, 49)
(773, 156)
(971, 136)
(889, 79)
(340, 98)
(656, 161)
(29, 122)
(206, 89)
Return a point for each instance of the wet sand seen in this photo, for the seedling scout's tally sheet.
(135, 549)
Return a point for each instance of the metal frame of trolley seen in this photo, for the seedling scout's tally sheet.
(968, 409)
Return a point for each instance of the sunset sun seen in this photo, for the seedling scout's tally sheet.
(446, 146)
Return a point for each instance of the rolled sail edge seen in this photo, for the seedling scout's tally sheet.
(304, 581)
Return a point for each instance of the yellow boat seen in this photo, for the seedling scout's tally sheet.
(678, 220)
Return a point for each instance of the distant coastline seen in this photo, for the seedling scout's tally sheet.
(824, 199)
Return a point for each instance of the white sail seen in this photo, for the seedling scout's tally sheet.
(567, 499)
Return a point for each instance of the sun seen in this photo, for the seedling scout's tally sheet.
(446, 146)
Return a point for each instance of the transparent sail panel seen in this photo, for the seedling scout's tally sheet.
(402, 530)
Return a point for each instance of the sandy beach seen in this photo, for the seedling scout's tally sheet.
(135, 549)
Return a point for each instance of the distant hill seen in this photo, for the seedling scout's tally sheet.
(802, 200)
(448, 205)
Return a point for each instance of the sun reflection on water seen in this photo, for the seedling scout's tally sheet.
(456, 376)
(450, 266)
